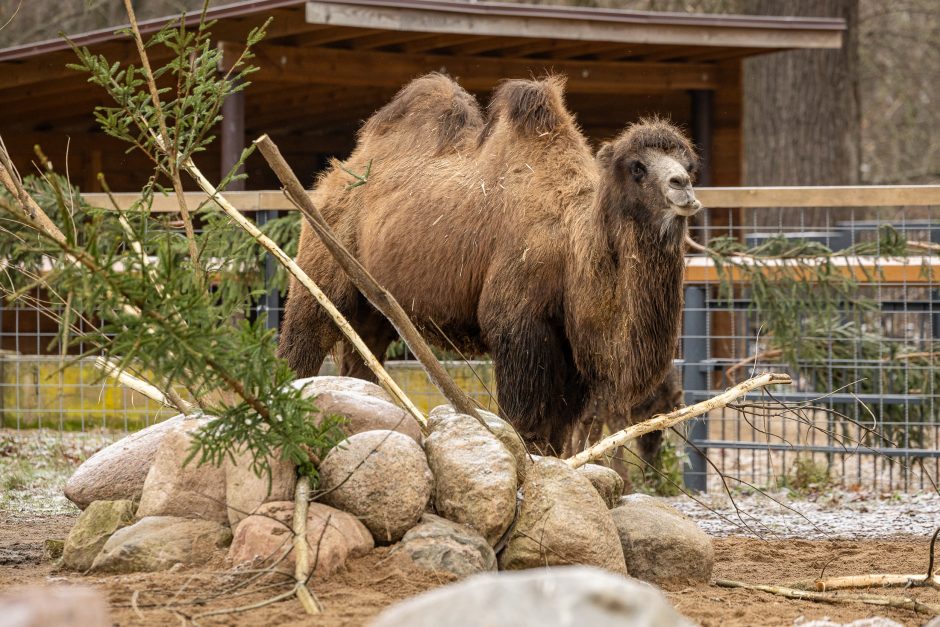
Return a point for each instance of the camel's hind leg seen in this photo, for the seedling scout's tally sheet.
(376, 332)
(308, 333)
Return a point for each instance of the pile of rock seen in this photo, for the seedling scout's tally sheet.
(466, 498)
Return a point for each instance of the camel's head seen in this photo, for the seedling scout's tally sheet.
(648, 172)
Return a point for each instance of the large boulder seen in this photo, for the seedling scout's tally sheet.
(661, 544)
(474, 474)
(563, 520)
(158, 543)
(92, 529)
(54, 606)
(382, 478)
(313, 387)
(503, 431)
(441, 545)
(117, 472)
(366, 412)
(245, 491)
(332, 537)
(175, 489)
(607, 482)
(574, 595)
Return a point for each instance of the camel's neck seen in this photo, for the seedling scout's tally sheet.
(624, 304)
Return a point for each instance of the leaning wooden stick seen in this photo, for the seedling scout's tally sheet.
(380, 298)
(664, 421)
(827, 597)
(381, 374)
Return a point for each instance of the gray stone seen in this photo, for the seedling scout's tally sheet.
(563, 521)
(158, 543)
(548, 597)
(366, 412)
(118, 471)
(245, 491)
(332, 538)
(92, 529)
(54, 606)
(382, 478)
(474, 475)
(175, 489)
(503, 431)
(661, 544)
(442, 545)
(607, 482)
(314, 386)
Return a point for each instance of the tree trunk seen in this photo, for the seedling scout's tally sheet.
(802, 116)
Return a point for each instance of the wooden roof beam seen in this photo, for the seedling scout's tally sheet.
(543, 22)
(307, 66)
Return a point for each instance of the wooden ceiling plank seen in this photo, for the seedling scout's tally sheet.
(438, 42)
(717, 32)
(281, 64)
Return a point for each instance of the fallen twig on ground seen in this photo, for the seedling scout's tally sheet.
(886, 580)
(831, 597)
(664, 421)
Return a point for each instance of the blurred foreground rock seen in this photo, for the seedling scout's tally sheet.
(474, 474)
(380, 477)
(92, 530)
(159, 543)
(548, 597)
(332, 537)
(661, 544)
(563, 521)
(54, 606)
(442, 545)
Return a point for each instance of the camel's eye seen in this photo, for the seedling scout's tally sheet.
(638, 170)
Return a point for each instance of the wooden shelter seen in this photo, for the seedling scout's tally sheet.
(327, 65)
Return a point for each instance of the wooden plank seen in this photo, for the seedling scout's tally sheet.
(350, 67)
(833, 196)
(864, 269)
(438, 42)
(715, 32)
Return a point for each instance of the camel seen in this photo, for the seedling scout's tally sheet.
(504, 234)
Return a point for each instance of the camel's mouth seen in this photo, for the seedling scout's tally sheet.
(688, 210)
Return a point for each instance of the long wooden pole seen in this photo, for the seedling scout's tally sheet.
(380, 298)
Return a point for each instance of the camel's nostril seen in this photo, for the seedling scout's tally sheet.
(679, 182)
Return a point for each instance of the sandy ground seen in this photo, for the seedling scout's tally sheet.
(373, 582)
(843, 532)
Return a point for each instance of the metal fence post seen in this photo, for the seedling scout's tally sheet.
(270, 303)
(695, 379)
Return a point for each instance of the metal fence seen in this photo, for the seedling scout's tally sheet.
(864, 408)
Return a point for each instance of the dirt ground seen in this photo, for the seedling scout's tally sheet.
(371, 583)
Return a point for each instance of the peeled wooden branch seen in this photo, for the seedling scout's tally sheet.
(301, 554)
(380, 298)
(664, 421)
(142, 387)
(876, 580)
(826, 597)
(381, 374)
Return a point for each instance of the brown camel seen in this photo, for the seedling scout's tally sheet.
(504, 234)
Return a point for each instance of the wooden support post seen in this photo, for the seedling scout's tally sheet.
(702, 107)
(233, 136)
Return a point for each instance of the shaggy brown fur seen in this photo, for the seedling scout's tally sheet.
(513, 239)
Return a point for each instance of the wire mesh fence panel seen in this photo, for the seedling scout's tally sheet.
(849, 306)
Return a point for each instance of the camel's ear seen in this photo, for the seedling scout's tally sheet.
(605, 153)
